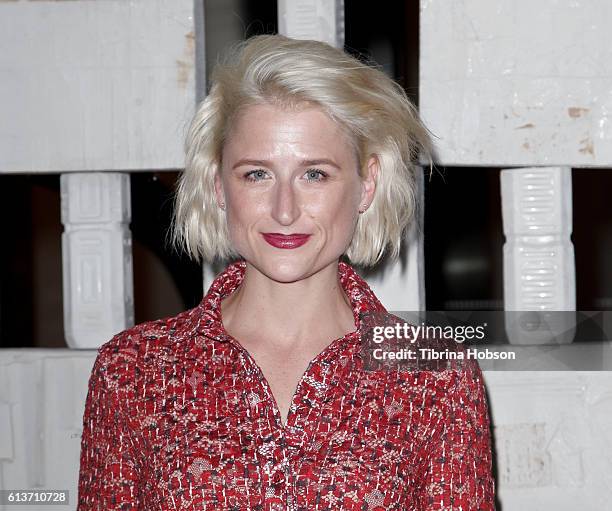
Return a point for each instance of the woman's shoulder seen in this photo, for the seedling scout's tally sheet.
(127, 351)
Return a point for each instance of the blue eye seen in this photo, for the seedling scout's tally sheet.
(258, 173)
(315, 172)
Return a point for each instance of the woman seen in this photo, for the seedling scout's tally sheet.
(258, 398)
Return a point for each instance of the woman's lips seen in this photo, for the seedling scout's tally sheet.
(286, 241)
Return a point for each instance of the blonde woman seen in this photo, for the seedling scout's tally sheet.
(258, 398)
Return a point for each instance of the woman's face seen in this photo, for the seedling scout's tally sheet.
(288, 172)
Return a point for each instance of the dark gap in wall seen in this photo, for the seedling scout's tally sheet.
(165, 281)
(592, 237)
(463, 239)
(388, 36)
(16, 298)
(31, 269)
(261, 16)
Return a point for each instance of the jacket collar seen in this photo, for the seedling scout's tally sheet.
(360, 294)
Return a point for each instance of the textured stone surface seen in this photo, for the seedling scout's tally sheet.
(518, 83)
(96, 85)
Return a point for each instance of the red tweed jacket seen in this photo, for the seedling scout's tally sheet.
(179, 417)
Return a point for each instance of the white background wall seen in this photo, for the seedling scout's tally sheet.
(93, 85)
(518, 83)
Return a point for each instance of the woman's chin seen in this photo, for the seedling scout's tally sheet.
(284, 268)
(287, 271)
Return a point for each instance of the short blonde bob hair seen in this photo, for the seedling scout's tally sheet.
(371, 107)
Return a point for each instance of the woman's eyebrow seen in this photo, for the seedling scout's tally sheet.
(320, 161)
(246, 161)
(304, 163)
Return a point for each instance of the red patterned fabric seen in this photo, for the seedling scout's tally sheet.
(179, 417)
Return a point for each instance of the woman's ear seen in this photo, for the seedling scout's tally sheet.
(368, 183)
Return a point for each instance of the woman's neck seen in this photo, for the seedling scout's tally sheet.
(287, 315)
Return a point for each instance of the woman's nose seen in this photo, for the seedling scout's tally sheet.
(285, 207)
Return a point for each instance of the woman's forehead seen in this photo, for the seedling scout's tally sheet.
(272, 129)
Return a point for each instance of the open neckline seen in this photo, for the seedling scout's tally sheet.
(333, 345)
(262, 377)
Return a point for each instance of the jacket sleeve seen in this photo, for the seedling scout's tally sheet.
(458, 468)
(108, 476)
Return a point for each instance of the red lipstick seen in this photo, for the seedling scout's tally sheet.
(285, 240)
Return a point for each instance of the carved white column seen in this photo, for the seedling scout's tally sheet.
(97, 257)
(322, 20)
(539, 268)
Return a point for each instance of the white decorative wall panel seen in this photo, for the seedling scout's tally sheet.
(518, 83)
(97, 257)
(552, 439)
(322, 20)
(42, 399)
(95, 85)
